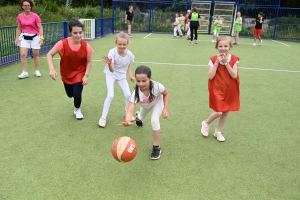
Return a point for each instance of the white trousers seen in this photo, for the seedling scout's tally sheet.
(156, 113)
(177, 28)
(110, 93)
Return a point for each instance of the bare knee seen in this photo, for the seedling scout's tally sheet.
(219, 114)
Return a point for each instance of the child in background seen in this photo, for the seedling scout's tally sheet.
(117, 65)
(258, 28)
(177, 27)
(187, 24)
(75, 63)
(237, 28)
(182, 23)
(223, 86)
(151, 95)
(217, 28)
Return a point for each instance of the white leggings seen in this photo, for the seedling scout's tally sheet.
(156, 113)
(177, 28)
(110, 93)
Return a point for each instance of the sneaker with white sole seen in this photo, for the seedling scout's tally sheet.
(205, 129)
(78, 114)
(102, 122)
(260, 42)
(156, 151)
(23, 75)
(254, 44)
(138, 123)
(219, 136)
(38, 73)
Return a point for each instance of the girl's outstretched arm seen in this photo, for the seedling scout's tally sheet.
(129, 114)
(109, 62)
(132, 79)
(50, 55)
(166, 98)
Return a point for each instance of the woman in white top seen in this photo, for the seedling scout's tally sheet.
(153, 96)
(118, 64)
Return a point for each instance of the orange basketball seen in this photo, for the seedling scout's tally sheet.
(124, 149)
(174, 24)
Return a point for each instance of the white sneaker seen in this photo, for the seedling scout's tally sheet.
(79, 115)
(205, 129)
(254, 44)
(260, 42)
(102, 122)
(212, 41)
(219, 136)
(38, 73)
(23, 75)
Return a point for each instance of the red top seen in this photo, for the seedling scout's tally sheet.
(73, 63)
(224, 92)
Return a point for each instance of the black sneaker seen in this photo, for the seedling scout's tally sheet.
(139, 123)
(156, 151)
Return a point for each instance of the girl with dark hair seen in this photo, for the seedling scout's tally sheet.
(258, 28)
(151, 95)
(129, 19)
(194, 25)
(75, 63)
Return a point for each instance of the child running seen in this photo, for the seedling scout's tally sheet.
(117, 65)
(75, 63)
(151, 95)
(217, 28)
(223, 86)
(237, 28)
(177, 27)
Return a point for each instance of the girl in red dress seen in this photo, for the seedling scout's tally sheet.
(223, 87)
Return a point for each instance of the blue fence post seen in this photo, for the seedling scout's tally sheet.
(113, 16)
(150, 16)
(65, 28)
(276, 20)
(102, 5)
(211, 14)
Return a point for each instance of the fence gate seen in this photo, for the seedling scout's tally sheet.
(203, 8)
(226, 10)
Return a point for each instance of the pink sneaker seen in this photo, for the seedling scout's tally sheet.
(205, 129)
(219, 136)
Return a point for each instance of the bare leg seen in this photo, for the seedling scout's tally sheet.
(254, 38)
(237, 37)
(156, 137)
(222, 121)
(259, 38)
(213, 116)
(36, 58)
(129, 29)
(23, 54)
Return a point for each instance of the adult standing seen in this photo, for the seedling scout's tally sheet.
(194, 24)
(29, 35)
(129, 19)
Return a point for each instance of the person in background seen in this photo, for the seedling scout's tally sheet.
(187, 25)
(237, 28)
(182, 23)
(129, 19)
(177, 26)
(194, 18)
(258, 28)
(29, 35)
(217, 28)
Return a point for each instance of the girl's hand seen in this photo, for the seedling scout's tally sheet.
(165, 113)
(41, 42)
(106, 59)
(132, 79)
(126, 123)
(53, 74)
(85, 80)
(16, 42)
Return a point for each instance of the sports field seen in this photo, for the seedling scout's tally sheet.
(47, 154)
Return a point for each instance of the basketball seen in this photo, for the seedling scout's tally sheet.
(124, 149)
(174, 24)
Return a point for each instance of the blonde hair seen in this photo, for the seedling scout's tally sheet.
(220, 38)
(122, 35)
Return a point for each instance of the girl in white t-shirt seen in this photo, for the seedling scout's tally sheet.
(118, 64)
(153, 96)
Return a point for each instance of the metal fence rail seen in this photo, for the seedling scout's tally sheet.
(54, 31)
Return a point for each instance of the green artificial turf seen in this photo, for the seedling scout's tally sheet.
(47, 154)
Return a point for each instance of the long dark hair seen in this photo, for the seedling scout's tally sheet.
(143, 70)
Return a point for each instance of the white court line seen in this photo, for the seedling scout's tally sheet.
(177, 64)
(281, 43)
(210, 41)
(147, 35)
(275, 70)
